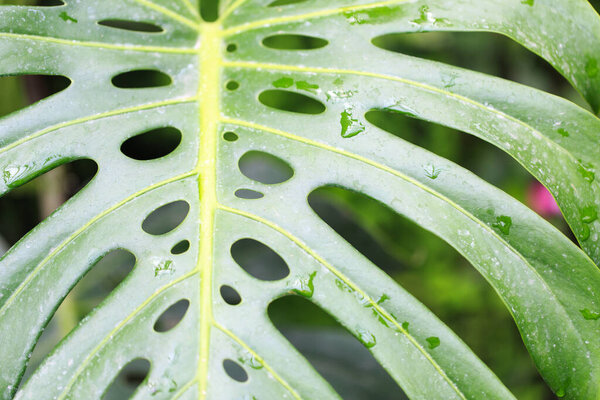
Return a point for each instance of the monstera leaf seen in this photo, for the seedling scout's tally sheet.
(214, 88)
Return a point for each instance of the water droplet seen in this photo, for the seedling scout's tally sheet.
(351, 126)
(283, 83)
(431, 171)
(560, 392)
(405, 325)
(309, 87)
(366, 338)
(164, 267)
(426, 17)
(590, 315)
(591, 67)
(383, 298)
(528, 2)
(66, 17)
(563, 132)
(304, 285)
(589, 215)
(343, 286)
(587, 171)
(433, 342)
(503, 224)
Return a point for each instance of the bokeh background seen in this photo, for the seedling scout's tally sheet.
(419, 261)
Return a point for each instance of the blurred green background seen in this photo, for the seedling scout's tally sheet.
(422, 263)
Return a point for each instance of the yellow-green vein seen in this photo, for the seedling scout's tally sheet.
(351, 284)
(275, 375)
(100, 45)
(171, 14)
(307, 16)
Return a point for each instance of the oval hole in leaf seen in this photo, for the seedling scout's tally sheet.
(278, 3)
(172, 316)
(141, 78)
(166, 218)
(230, 295)
(265, 168)
(484, 52)
(235, 371)
(128, 380)
(259, 260)
(285, 100)
(36, 191)
(332, 350)
(152, 144)
(20, 91)
(135, 26)
(181, 247)
(248, 194)
(38, 3)
(101, 279)
(294, 42)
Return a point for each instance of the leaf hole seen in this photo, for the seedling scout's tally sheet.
(285, 100)
(97, 283)
(135, 26)
(36, 190)
(259, 260)
(230, 295)
(248, 194)
(166, 218)
(294, 42)
(37, 3)
(131, 376)
(265, 168)
(141, 78)
(231, 48)
(278, 3)
(333, 351)
(181, 247)
(232, 85)
(152, 144)
(209, 10)
(230, 136)
(20, 91)
(490, 53)
(235, 371)
(172, 316)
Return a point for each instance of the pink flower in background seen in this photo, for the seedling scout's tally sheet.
(541, 201)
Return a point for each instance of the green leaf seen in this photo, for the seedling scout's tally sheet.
(217, 72)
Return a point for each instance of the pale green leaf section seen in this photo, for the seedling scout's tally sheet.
(542, 277)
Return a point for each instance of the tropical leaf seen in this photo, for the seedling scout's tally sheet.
(220, 76)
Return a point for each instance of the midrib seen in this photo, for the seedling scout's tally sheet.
(209, 53)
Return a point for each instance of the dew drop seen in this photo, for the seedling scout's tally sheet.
(590, 315)
(366, 338)
(433, 342)
(351, 126)
(304, 285)
(503, 224)
(164, 267)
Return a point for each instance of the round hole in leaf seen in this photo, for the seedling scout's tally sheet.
(294, 42)
(232, 85)
(235, 371)
(181, 247)
(259, 260)
(248, 194)
(166, 218)
(135, 26)
(230, 295)
(152, 144)
(265, 168)
(230, 136)
(285, 100)
(172, 316)
(141, 78)
(231, 48)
